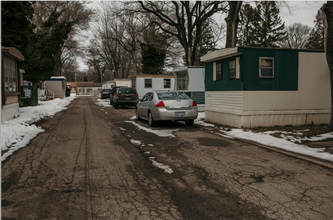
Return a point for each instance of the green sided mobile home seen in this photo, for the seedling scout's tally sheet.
(252, 87)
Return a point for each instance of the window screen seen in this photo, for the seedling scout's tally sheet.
(148, 83)
(266, 67)
(232, 69)
(167, 83)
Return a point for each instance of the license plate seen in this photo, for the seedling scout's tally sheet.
(127, 98)
(180, 114)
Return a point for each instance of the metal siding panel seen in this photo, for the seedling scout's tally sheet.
(314, 81)
(218, 53)
(285, 69)
(232, 100)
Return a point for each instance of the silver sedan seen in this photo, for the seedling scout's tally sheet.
(166, 106)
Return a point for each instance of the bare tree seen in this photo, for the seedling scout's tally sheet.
(183, 20)
(232, 23)
(298, 36)
(328, 39)
(70, 11)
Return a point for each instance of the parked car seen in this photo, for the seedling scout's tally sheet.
(105, 93)
(125, 96)
(113, 90)
(167, 105)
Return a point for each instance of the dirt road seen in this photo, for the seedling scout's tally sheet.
(91, 164)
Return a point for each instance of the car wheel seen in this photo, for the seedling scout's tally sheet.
(189, 122)
(151, 121)
(115, 105)
(137, 115)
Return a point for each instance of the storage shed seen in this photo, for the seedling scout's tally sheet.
(147, 83)
(10, 82)
(191, 79)
(56, 86)
(251, 87)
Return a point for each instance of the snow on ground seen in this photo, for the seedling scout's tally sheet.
(166, 168)
(266, 139)
(103, 102)
(161, 133)
(18, 132)
(200, 120)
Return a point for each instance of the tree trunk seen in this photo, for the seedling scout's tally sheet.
(57, 63)
(232, 23)
(328, 39)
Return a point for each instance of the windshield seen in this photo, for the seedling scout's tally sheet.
(172, 95)
(127, 91)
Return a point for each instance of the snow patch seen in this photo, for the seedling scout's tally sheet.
(161, 133)
(269, 140)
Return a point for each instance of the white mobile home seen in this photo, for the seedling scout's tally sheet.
(148, 83)
(122, 82)
(191, 79)
(252, 87)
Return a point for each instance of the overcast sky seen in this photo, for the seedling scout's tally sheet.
(301, 12)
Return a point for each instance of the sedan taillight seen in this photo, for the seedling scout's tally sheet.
(118, 95)
(136, 94)
(194, 104)
(160, 105)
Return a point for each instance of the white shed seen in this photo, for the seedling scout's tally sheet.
(148, 83)
(191, 79)
(56, 86)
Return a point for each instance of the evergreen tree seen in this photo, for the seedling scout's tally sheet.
(247, 16)
(268, 28)
(43, 48)
(16, 28)
(316, 39)
(153, 53)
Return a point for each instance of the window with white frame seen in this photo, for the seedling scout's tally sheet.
(167, 83)
(266, 67)
(81, 90)
(232, 69)
(10, 75)
(182, 81)
(148, 83)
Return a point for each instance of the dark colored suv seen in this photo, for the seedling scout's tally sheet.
(125, 96)
(105, 93)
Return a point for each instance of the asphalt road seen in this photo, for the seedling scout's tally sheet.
(84, 166)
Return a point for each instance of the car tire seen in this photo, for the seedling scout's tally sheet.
(115, 105)
(189, 122)
(151, 121)
(137, 114)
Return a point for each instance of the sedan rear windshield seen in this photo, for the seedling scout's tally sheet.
(127, 91)
(172, 95)
(106, 90)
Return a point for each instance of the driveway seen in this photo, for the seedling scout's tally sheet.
(95, 162)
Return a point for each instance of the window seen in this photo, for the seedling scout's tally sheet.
(148, 83)
(81, 90)
(10, 75)
(182, 81)
(266, 67)
(218, 71)
(89, 90)
(172, 96)
(167, 83)
(232, 69)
